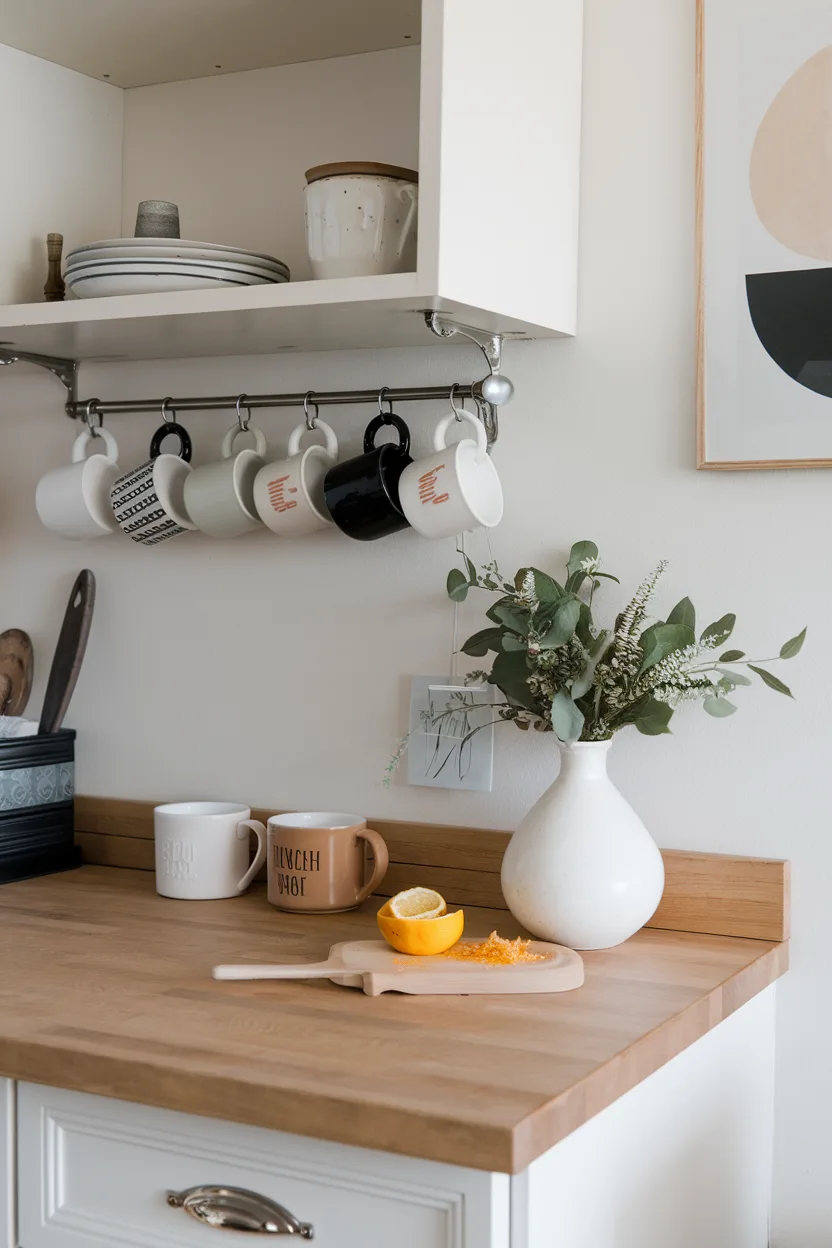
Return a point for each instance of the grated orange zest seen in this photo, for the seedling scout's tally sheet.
(494, 951)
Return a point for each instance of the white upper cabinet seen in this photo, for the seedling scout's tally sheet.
(221, 106)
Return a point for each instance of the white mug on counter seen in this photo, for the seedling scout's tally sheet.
(219, 497)
(74, 501)
(289, 493)
(454, 489)
(202, 850)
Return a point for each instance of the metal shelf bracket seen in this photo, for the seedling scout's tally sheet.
(65, 370)
(495, 390)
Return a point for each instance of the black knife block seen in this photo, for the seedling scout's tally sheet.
(37, 788)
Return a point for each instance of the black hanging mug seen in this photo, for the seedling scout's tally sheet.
(362, 494)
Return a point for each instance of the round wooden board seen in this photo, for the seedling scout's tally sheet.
(17, 666)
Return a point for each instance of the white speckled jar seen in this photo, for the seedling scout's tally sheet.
(361, 219)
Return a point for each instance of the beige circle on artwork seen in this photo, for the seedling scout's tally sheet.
(791, 163)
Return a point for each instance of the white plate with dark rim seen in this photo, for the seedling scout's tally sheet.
(146, 257)
(129, 282)
(115, 248)
(149, 264)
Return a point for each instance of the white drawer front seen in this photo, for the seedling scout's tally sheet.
(94, 1170)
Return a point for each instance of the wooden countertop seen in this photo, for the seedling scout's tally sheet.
(106, 987)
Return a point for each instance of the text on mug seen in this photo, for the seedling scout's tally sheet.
(427, 486)
(278, 492)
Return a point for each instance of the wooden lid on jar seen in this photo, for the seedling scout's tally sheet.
(342, 168)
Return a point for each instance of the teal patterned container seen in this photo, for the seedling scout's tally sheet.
(37, 787)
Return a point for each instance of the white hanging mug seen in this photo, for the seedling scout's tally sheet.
(289, 493)
(74, 501)
(457, 487)
(219, 497)
(149, 501)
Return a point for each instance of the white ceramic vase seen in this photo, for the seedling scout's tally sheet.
(582, 870)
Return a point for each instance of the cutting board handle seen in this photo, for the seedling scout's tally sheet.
(301, 970)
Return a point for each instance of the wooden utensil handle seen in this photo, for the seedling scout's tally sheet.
(302, 970)
(55, 289)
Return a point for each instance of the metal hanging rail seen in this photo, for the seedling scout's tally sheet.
(90, 408)
(320, 398)
(489, 394)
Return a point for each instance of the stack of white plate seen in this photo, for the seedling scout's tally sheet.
(138, 266)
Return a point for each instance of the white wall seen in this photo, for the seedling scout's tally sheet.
(61, 161)
(278, 674)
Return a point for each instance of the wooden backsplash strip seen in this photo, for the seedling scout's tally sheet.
(717, 894)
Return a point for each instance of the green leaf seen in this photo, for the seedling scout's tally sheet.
(771, 681)
(510, 672)
(584, 629)
(582, 685)
(546, 588)
(472, 571)
(563, 624)
(482, 642)
(654, 718)
(510, 643)
(732, 656)
(567, 719)
(733, 678)
(793, 647)
(577, 576)
(457, 585)
(513, 618)
(608, 576)
(683, 613)
(660, 640)
(720, 708)
(579, 552)
(721, 630)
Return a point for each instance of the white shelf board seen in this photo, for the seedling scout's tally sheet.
(136, 43)
(332, 315)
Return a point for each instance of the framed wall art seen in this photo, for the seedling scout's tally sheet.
(764, 231)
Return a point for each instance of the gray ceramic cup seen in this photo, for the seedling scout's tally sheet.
(157, 218)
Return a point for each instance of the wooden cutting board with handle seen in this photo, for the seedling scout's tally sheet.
(375, 967)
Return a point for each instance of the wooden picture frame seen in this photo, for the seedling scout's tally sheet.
(711, 413)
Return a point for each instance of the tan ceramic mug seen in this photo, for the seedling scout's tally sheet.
(316, 860)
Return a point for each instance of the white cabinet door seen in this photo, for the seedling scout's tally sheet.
(7, 1185)
(94, 1170)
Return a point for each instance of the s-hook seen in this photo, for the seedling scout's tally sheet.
(387, 416)
(311, 421)
(244, 424)
(91, 409)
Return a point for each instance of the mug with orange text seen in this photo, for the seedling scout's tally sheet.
(316, 861)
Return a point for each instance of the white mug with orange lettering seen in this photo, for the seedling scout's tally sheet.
(289, 493)
(454, 489)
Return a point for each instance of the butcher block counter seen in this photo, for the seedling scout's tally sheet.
(106, 988)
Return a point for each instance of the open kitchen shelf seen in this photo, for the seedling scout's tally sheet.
(222, 111)
(298, 316)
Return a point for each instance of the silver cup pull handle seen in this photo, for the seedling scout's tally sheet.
(237, 1209)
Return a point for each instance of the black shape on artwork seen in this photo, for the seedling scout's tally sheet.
(792, 314)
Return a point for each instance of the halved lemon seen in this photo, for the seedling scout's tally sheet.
(418, 903)
(420, 935)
